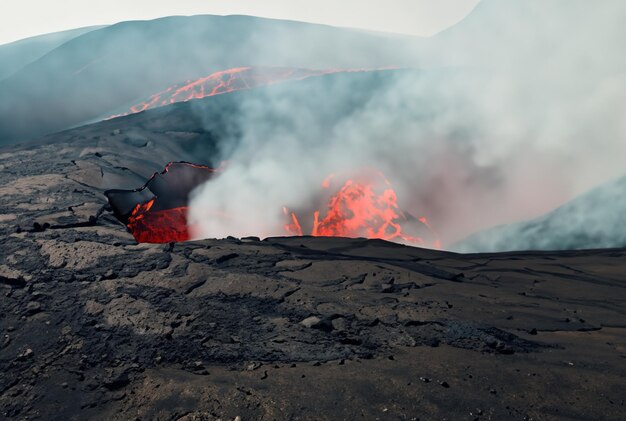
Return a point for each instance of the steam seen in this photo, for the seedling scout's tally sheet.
(513, 112)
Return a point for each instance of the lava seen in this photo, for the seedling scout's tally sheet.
(225, 81)
(364, 206)
(157, 212)
(163, 226)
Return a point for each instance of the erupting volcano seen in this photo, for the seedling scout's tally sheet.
(223, 82)
(364, 205)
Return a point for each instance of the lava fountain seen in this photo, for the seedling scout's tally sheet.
(363, 205)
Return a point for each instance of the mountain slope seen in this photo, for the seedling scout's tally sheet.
(596, 219)
(15, 55)
(110, 67)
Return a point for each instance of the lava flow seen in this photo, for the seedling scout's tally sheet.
(223, 82)
(364, 206)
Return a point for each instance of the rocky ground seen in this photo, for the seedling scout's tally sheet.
(95, 326)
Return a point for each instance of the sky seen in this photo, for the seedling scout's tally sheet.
(25, 18)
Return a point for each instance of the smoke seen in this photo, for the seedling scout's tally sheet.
(590, 221)
(513, 112)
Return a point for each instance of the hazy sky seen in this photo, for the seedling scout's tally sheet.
(24, 18)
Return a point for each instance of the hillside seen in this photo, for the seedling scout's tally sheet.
(15, 55)
(104, 69)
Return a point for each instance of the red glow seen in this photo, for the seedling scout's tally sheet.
(362, 207)
(164, 226)
(154, 222)
(223, 82)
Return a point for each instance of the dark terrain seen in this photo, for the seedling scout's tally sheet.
(96, 326)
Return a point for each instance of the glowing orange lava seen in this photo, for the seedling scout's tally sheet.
(164, 219)
(163, 226)
(363, 207)
(223, 82)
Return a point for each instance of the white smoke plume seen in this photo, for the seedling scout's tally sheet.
(511, 113)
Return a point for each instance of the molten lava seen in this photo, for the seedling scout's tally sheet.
(165, 226)
(157, 212)
(223, 82)
(363, 207)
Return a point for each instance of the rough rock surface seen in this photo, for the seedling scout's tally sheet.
(94, 326)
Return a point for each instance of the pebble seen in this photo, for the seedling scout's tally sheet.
(33, 307)
(310, 321)
(28, 353)
(253, 366)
